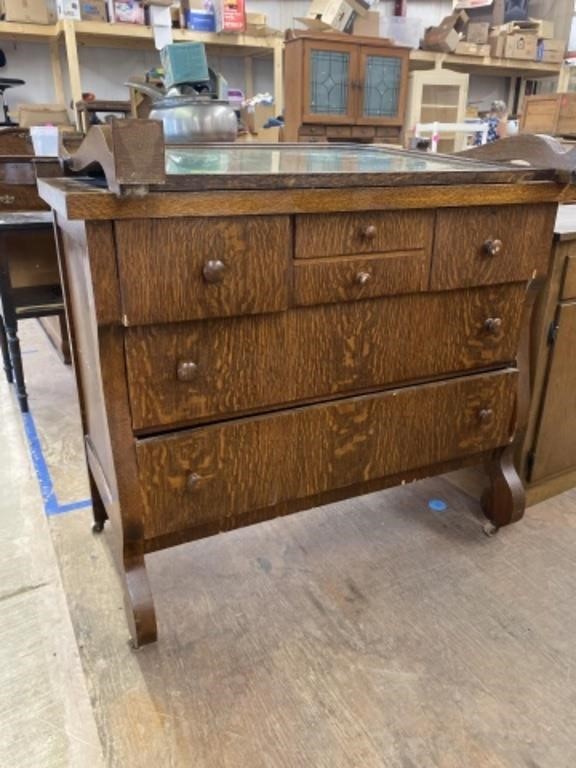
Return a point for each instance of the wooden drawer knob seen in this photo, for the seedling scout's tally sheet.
(369, 232)
(362, 278)
(214, 271)
(187, 370)
(485, 415)
(493, 247)
(493, 324)
(192, 481)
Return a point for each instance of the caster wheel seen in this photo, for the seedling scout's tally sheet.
(98, 527)
(490, 529)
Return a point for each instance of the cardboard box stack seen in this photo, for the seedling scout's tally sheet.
(495, 28)
(214, 15)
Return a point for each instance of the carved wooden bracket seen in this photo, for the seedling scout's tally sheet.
(129, 152)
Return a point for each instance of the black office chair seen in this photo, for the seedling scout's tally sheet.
(5, 83)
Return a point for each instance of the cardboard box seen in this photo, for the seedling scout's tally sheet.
(68, 9)
(478, 32)
(472, 49)
(368, 25)
(198, 15)
(93, 10)
(445, 37)
(333, 14)
(230, 15)
(42, 114)
(29, 11)
(128, 12)
(495, 12)
(520, 46)
(551, 51)
(497, 44)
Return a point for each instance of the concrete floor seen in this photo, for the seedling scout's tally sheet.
(375, 633)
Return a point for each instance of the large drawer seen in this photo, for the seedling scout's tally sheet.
(186, 269)
(184, 373)
(335, 234)
(207, 477)
(482, 246)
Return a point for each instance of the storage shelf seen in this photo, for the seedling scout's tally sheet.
(484, 65)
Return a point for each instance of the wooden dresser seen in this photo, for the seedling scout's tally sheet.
(290, 327)
(548, 459)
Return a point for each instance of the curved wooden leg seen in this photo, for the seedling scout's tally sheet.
(139, 604)
(504, 501)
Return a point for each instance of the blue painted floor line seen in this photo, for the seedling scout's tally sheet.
(49, 498)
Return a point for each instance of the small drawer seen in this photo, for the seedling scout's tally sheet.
(483, 246)
(355, 233)
(569, 286)
(20, 197)
(363, 132)
(312, 130)
(186, 269)
(324, 281)
(215, 477)
(339, 131)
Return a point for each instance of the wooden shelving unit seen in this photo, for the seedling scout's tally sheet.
(484, 65)
(75, 34)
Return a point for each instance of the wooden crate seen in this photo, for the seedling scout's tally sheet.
(554, 114)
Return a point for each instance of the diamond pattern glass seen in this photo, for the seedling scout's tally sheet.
(382, 86)
(330, 80)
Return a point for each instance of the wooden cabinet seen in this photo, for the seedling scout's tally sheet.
(356, 333)
(339, 87)
(548, 460)
(439, 95)
(553, 114)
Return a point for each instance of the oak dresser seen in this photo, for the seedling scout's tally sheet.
(260, 331)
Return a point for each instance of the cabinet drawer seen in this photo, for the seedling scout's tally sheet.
(481, 246)
(351, 233)
(20, 197)
(569, 286)
(191, 372)
(327, 280)
(214, 476)
(185, 269)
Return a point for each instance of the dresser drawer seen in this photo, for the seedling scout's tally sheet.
(214, 476)
(481, 246)
(186, 269)
(189, 372)
(354, 233)
(20, 197)
(322, 281)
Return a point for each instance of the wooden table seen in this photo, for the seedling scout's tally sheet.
(29, 284)
(257, 332)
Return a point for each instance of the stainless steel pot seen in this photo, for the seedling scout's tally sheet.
(191, 119)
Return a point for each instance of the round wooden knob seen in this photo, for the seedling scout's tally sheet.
(192, 481)
(214, 271)
(493, 247)
(485, 416)
(362, 278)
(493, 324)
(369, 232)
(187, 370)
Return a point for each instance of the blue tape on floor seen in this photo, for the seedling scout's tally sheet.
(49, 498)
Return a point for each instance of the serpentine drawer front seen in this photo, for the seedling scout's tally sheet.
(212, 475)
(192, 371)
(187, 269)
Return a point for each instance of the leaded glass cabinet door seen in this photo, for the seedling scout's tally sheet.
(383, 92)
(329, 77)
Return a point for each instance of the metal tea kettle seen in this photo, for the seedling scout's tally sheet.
(190, 118)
